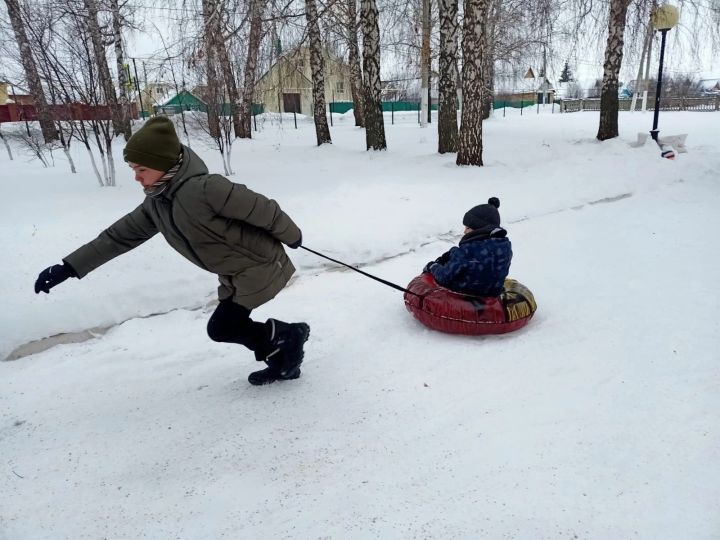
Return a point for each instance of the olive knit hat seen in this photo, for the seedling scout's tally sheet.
(155, 145)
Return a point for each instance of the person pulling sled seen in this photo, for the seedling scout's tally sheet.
(222, 227)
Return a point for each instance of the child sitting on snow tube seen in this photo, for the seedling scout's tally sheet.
(480, 264)
(466, 290)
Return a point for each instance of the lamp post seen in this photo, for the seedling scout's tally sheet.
(663, 19)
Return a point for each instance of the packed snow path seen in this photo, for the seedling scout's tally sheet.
(599, 420)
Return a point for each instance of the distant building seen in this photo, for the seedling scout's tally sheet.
(287, 85)
(8, 94)
(191, 101)
(155, 94)
(184, 101)
(710, 86)
(528, 87)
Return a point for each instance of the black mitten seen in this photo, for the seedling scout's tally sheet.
(444, 258)
(297, 244)
(52, 276)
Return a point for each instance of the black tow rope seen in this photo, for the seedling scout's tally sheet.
(383, 281)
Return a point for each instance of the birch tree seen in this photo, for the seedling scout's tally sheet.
(489, 57)
(611, 70)
(47, 126)
(257, 8)
(123, 101)
(105, 79)
(374, 121)
(322, 131)
(212, 15)
(211, 76)
(425, 64)
(6, 143)
(473, 43)
(447, 84)
(354, 61)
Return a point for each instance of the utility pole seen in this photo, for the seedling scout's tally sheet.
(137, 87)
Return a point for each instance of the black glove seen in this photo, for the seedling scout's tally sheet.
(52, 276)
(297, 244)
(444, 258)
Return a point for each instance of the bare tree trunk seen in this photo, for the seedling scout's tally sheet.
(94, 165)
(474, 40)
(7, 145)
(425, 64)
(322, 131)
(217, 43)
(255, 39)
(374, 122)
(104, 77)
(213, 84)
(354, 60)
(447, 110)
(31, 73)
(123, 101)
(611, 70)
(489, 58)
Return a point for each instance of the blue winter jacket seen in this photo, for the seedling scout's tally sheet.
(478, 266)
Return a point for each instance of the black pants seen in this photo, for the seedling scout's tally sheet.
(231, 323)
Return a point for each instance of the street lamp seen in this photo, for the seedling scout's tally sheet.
(663, 19)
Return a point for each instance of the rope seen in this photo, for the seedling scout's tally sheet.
(383, 281)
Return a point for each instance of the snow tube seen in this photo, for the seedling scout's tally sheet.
(456, 313)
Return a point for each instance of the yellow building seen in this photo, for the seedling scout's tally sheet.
(3, 92)
(287, 85)
(154, 95)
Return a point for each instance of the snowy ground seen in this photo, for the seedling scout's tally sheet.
(598, 421)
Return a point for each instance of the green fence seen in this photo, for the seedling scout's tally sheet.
(501, 104)
(257, 108)
(414, 106)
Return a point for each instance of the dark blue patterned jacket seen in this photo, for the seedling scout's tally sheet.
(478, 266)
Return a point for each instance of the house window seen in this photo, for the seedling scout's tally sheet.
(340, 87)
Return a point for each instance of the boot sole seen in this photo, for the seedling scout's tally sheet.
(271, 378)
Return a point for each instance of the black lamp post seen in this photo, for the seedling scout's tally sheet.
(663, 19)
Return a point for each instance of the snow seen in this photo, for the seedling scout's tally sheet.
(598, 420)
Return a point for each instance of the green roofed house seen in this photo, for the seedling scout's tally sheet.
(189, 101)
(287, 85)
(184, 101)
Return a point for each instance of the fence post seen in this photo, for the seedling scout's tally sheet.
(538, 107)
(521, 106)
(504, 104)
(331, 108)
(295, 117)
(392, 112)
(255, 120)
(419, 113)
(552, 111)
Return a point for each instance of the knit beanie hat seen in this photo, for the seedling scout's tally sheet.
(484, 217)
(155, 145)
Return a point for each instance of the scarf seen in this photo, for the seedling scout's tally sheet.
(158, 187)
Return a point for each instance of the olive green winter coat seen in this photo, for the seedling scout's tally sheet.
(222, 227)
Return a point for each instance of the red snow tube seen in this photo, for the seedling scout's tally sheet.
(456, 313)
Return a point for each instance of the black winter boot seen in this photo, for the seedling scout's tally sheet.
(285, 353)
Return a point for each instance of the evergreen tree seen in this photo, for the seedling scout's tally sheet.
(566, 75)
